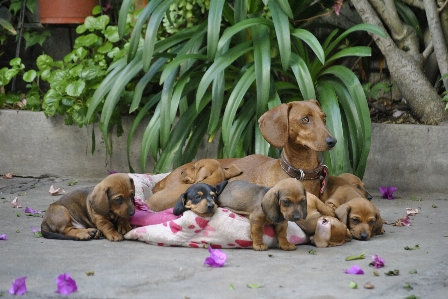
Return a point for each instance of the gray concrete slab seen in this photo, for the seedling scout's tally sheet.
(133, 269)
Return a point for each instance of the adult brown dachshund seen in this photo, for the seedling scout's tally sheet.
(330, 231)
(342, 188)
(92, 212)
(208, 171)
(285, 201)
(299, 129)
(361, 217)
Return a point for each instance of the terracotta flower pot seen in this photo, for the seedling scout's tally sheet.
(65, 11)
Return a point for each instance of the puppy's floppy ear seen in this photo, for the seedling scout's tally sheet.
(342, 213)
(274, 125)
(99, 200)
(220, 187)
(271, 207)
(232, 171)
(179, 208)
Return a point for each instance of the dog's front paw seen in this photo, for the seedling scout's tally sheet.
(124, 228)
(260, 247)
(288, 246)
(114, 236)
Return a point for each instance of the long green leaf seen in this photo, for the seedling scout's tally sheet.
(143, 82)
(137, 30)
(219, 65)
(218, 89)
(141, 114)
(330, 106)
(409, 17)
(303, 77)
(356, 91)
(234, 101)
(214, 25)
(283, 33)
(151, 32)
(247, 113)
(284, 4)
(176, 63)
(150, 139)
(195, 139)
(311, 41)
(122, 16)
(262, 62)
(352, 51)
(168, 112)
(359, 27)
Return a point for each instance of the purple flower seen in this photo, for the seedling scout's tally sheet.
(217, 258)
(31, 211)
(66, 284)
(3, 237)
(388, 192)
(354, 270)
(378, 262)
(18, 286)
(337, 6)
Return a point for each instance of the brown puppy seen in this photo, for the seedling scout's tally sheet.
(91, 212)
(342, 188)
(361, 217)
(208, 171)
(330, 232)
(299, 129)
(315, 210)
(285, 201)
(200, 198)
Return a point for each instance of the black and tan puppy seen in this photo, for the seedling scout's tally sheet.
(285, 201)
(361, 217)
(200, 198)
(92, 212)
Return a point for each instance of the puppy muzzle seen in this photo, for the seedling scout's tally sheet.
(131, 211)
(364, 236)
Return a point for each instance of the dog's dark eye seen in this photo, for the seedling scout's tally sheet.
(305, 120)
(371, 222)
(286, 202)
(118, 200)
(355, 221)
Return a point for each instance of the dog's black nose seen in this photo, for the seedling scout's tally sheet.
(210, 205)
(131, 211)
(364, 236)
(369, 197)
(331, 142)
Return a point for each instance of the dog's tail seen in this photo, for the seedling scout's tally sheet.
(50, 235)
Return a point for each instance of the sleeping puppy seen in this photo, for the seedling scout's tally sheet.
(285, 201)
(208, 171)
(92, 212)
(330, 232)
(200, 198)
(340, 190)
(361, 217)
(315, 210)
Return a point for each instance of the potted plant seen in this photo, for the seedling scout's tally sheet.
(65, 11)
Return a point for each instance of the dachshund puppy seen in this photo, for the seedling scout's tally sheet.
(342, 188)
(315, 210)
(361, 217)
(285, 201)
(92, 212)
(200, 198)
(330, 232)
(208, 171)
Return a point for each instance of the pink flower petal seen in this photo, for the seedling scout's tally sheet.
(388, 192)
(3, 237)
(18, 286)
(8, 175)
(66, 284)
(217, 258)
(31, 211)
(405, 221)
(378, 262)
(354, 270)
(56, 191)
(15, 203)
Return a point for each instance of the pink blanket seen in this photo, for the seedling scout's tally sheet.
(224, 229)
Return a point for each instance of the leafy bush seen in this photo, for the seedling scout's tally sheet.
(225, 71)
